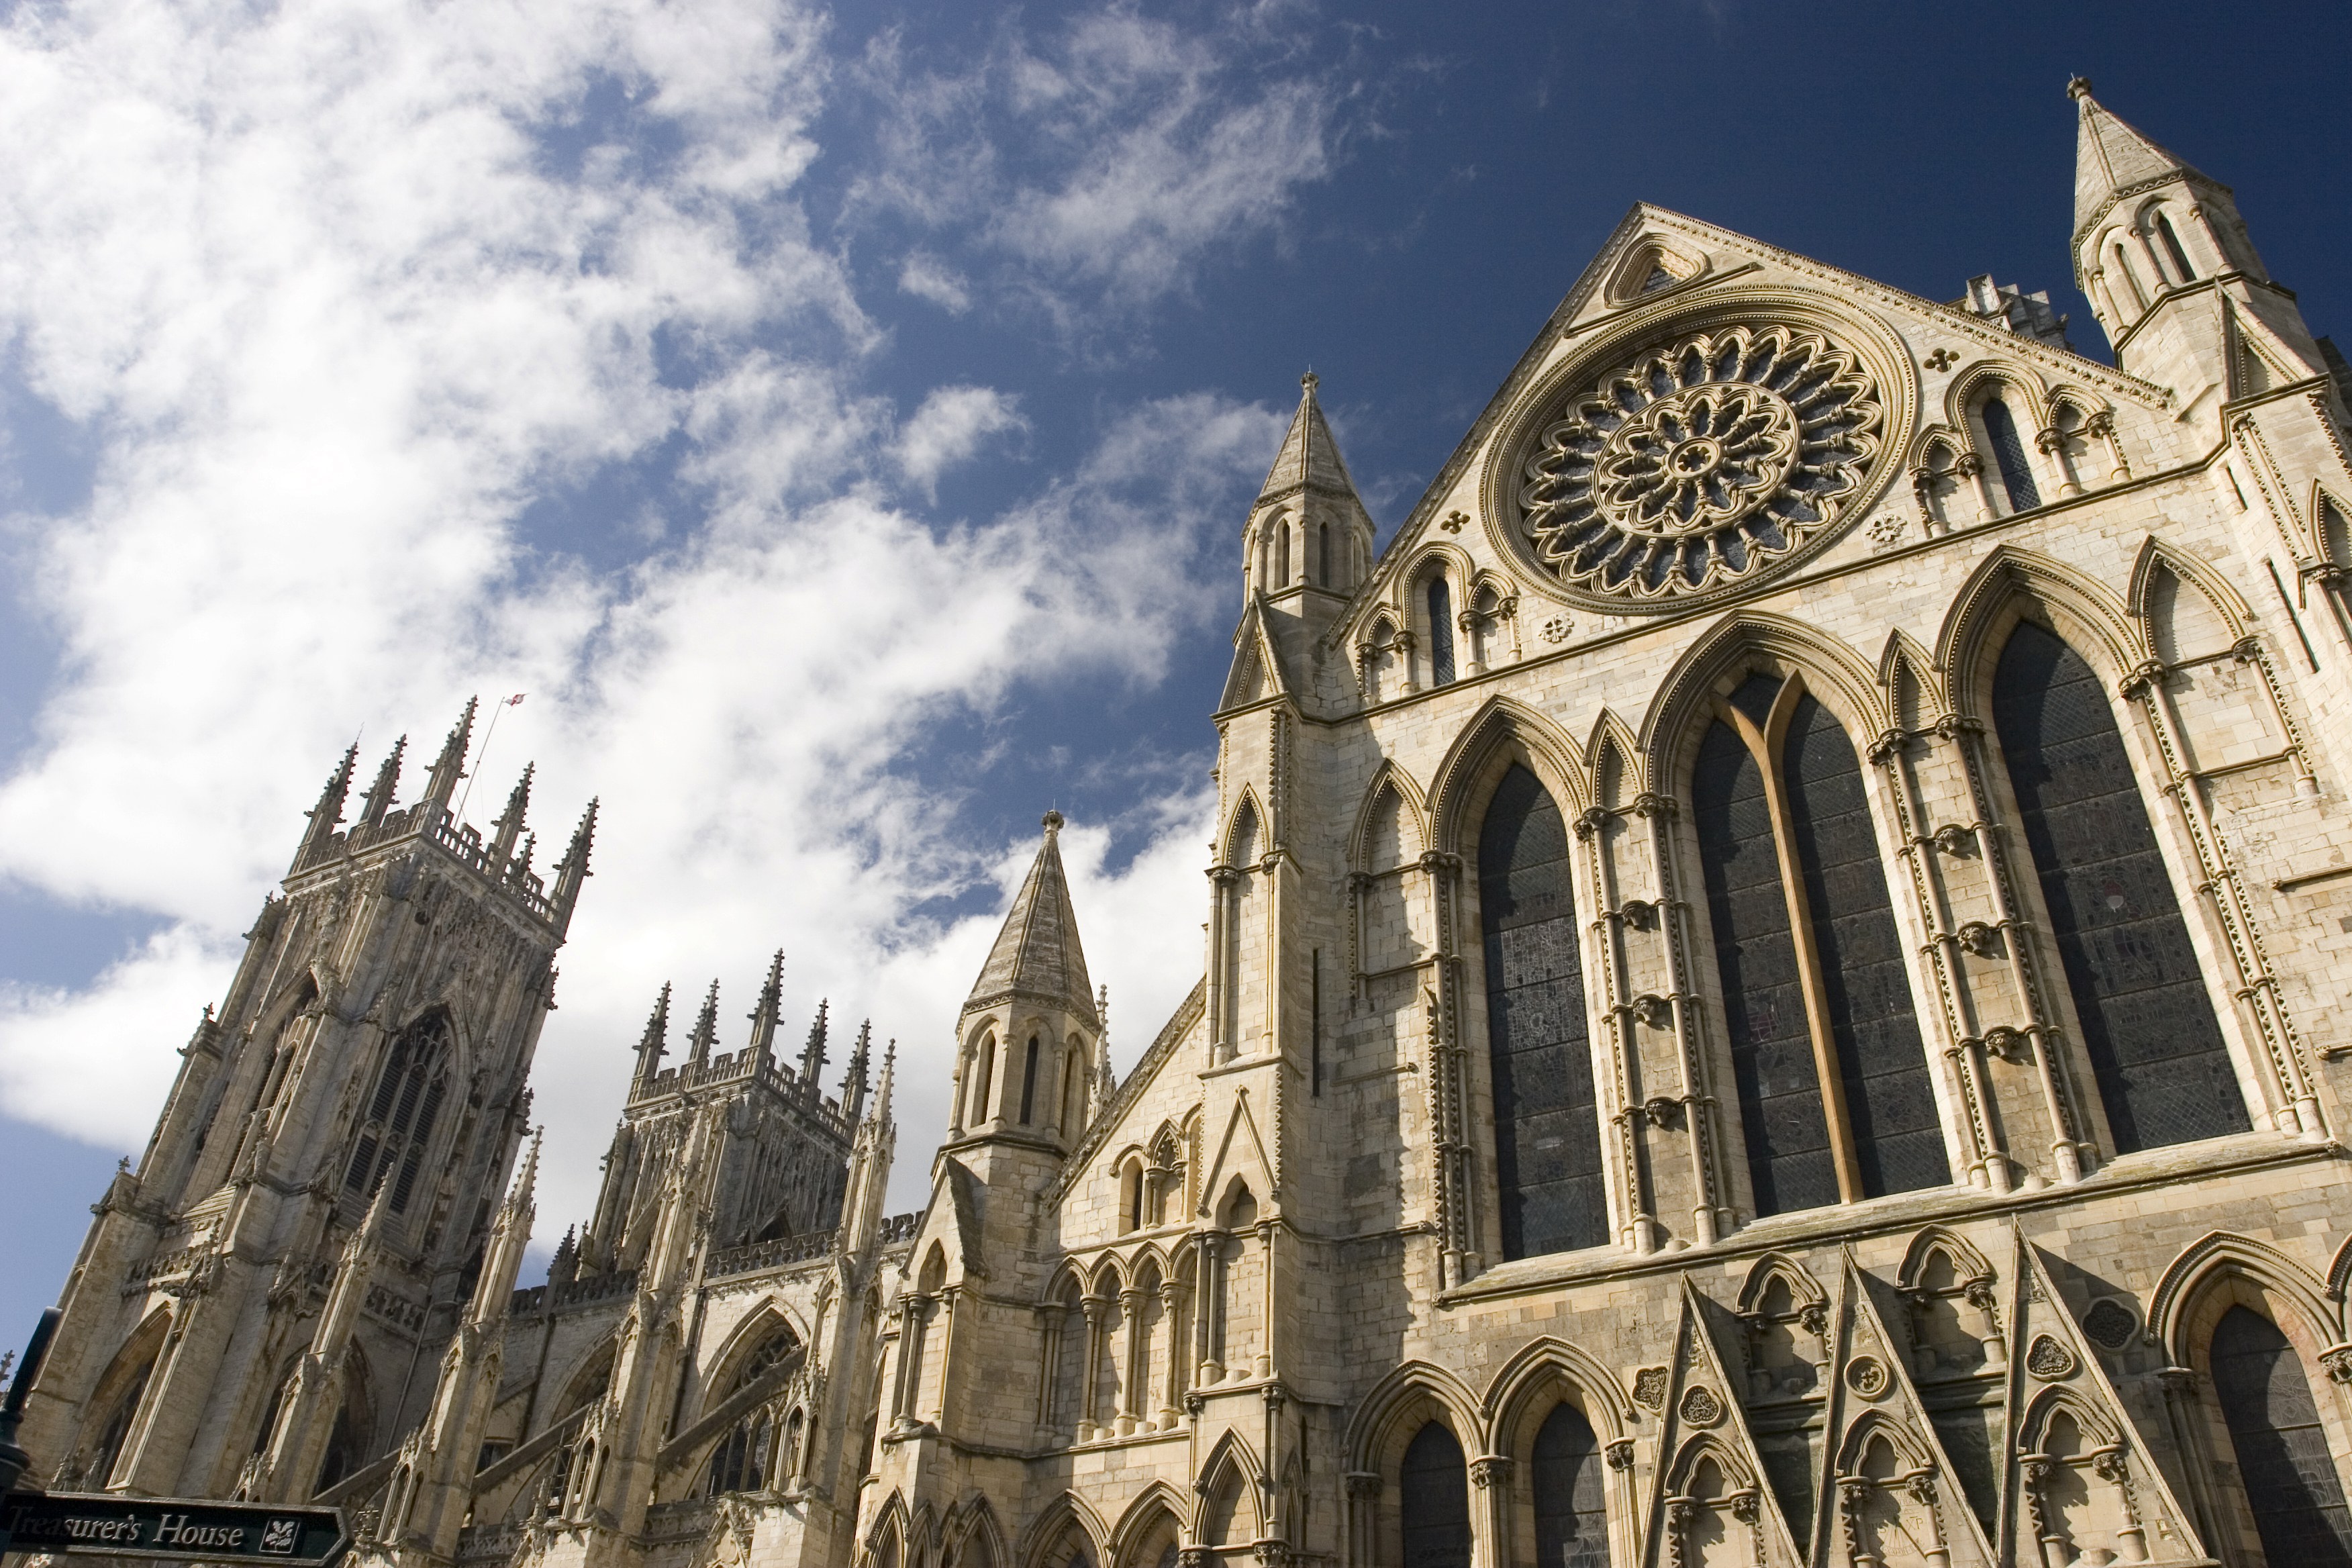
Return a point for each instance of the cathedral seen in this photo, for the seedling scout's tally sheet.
(1771, 996)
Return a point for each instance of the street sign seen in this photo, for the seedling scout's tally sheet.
(102, 1524)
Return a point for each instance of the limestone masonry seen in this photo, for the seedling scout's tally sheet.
(1775, 993)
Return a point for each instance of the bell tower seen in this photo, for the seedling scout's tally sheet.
(315, 1206)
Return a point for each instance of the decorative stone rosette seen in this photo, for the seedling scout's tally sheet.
(1701, 464)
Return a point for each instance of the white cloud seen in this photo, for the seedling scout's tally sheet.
(1104, 162)
(927, 277)
(339, 291)
(950, 427)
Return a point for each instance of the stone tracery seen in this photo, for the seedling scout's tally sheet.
(1700, 463)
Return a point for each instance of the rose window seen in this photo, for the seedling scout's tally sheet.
(1701, 463)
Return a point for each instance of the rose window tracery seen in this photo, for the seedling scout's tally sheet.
(1701, 463)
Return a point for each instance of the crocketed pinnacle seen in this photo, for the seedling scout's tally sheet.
(1308, 458)
(705, 1030)
(1037, 954)
(2110, 158)
(655, 1043)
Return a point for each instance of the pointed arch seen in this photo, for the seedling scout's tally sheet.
(1916, 705)
(1229, 1512)
(887, 1538)
(751, 1334)
(973, 1524)
(2331, 525)
(1395, 1407)
(2155, 561)
(1969, 1265)
(2004, 585)
(1246, 829)
(2095, 1424)
(114, 1399)
(1411, 820)
(1160, 1508)
(2215, 1257)
(1651, 268)
(1804, 1290)
(1615, 753)
(1503, 731)
(1704, 1446)
(1872, 1426)
(1836, 675)
(1067, 1522)
(1984, 378)
(1549, 1372)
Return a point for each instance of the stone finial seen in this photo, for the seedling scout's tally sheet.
(2078, 88)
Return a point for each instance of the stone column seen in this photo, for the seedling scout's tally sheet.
(1490, 1532)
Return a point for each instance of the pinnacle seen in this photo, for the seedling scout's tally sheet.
(1037, 952)
(2112, 158)
(1309, 456)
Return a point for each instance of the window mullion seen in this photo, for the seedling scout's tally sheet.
(1766, 748)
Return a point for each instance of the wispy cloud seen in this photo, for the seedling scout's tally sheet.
(340, 291)
(1103, 161)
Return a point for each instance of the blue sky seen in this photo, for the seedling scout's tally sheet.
(839, 421)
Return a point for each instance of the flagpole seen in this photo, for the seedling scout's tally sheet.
(467, 793)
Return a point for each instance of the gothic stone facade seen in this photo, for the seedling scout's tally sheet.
(1773, 995)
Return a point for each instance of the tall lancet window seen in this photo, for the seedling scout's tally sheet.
(2291, 1487)
(2009, 455)
(2179, 258)
(1433, 1488)
(2147, 1019)
(1835, 1093)
(1571, 1515)
(1441, 632)
(1547, 1125)
(399, 1126)
(1323, 554)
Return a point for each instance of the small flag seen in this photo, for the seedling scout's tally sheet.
(516, 701)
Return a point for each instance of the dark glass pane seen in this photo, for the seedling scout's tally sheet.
(1029, 1081)
(1756, 696)
(1890, 1101)
(1435, 1488)
(2147, 1020)
(1571, 1520)
(1547, 1125)
(2009, 457)
(2282, 1460)
(1788, 1159)
(2172, 249)
(1441, 633)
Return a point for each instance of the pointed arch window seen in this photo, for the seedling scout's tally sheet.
(1282, 554)
(983, 1066)
(1029, 1082)
(1323, 554)
(407, 1102)
(2283, 1462)
(2172, 251)
(1571, 1516)
(748, 1459)
(1434, 1487)
(1441, 631)
(2009, 455)
(1547, 1167)
(1835, 1099)
(2149, 1026)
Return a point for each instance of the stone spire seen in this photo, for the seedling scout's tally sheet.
(763, 1014)
(379, 796)
(1308, 458)
(705, 1030)
(853, 1082)
(329, 813)
(510, 1234)
(450, 765)
(572, 870)
(2112, 160)
(1038, 955)
(812, 1054)
(509, 822)
(653, 1043)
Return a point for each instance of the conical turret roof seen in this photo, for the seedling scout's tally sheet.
(1309, 458)
(2110, 158)
(1037, 954)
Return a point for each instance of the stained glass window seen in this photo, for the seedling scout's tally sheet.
(2147, 1020)
(1571, 1519)
(2009, 455)
(1434, 1488)
(1546, 1126)
(2290, 1477)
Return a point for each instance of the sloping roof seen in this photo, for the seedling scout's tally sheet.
(1309, 458)
(2111, 158)
(1037, 953)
